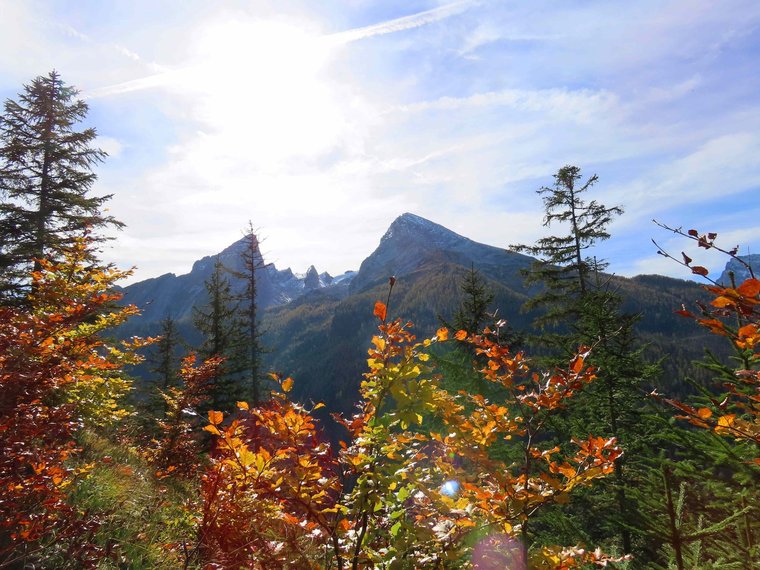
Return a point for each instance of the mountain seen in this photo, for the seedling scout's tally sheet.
(739, 270)
(412, 242)
(317, 328)
(176, 295)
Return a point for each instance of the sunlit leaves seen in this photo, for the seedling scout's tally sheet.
(270, 494)
(57, 373)
(420, 464)
(177, 449)
(733, 313)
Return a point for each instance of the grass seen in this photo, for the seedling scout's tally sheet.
(140, 517)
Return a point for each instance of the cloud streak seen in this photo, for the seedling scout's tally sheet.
(404, 23)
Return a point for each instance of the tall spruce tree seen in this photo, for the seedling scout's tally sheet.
(581, 307)
(46, 174)
(252, 263)
(473, 313)
(165, 359)
(563, 267)
(220, 326)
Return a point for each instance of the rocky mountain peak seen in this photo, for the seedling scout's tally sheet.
(410, 226)
(412, 241)
(741, 273)
(311, 279)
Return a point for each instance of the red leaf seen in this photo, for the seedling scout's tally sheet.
(693, 233)
(699, 270)
(686, 258)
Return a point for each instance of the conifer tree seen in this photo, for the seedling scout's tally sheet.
(45, 179)
(165, 359)
(252, 262)
(581, 307)
(219, 324)
(473, 313)
(563, 267)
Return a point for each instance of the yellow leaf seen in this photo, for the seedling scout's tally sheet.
(725, 422)
(379, 342)
(242, 405)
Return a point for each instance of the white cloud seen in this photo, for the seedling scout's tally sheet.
(717, 169)
(110, 145)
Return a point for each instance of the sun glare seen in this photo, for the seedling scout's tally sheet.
(264, 82)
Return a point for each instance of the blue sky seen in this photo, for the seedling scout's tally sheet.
(323, 121)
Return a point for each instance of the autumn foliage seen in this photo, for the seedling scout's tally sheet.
(57, 374)
(418, 483)
(178, 445)
(732, 313)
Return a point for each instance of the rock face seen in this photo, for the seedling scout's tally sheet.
(311, 281)
(412, 242)
(741, 273)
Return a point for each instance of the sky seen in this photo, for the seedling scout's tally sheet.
(321, 122)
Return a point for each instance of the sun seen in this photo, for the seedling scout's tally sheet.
(265, 82)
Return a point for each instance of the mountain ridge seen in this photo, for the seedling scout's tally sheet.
(316, 328)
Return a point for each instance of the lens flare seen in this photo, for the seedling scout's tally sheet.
(450, 488)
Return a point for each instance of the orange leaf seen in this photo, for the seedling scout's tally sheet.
(748, 330)
(442, 334)
(704, 413)
(242, 406)
(699, 270)
(750, 288)
(721, 302)
(287, 384)
(215, 417)
(461, 335)
(577, 364)
(380, 310)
